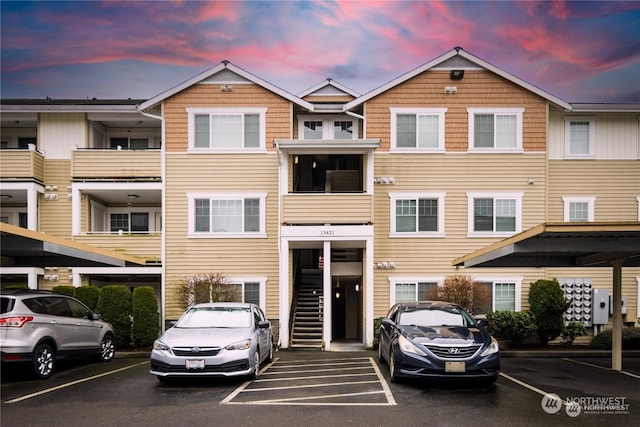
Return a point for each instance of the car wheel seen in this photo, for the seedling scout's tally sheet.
(107, 349)
(270, 354)
(256, 365)
(43, 361)
(393, 376)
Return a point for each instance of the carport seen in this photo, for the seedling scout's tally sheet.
(610, 244)
(20, 247)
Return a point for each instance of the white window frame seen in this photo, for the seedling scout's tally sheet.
(192, 112)
(395, 196)
(191, 197)
(327, 124)
(567, 137)
(394, 281)
(98, 209)
(13, 215)
(517, 280)
(472, 196)
(438, 112)
(517, 112)
(262, 282)
(567, 201)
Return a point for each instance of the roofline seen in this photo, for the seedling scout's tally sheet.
(329, 82)
(47, 238)
(550, 227)
(613, 107)
(210, 72)
(28, 108)
(468, 56)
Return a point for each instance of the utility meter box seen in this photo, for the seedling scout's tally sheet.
(623, 307)
(600, 306)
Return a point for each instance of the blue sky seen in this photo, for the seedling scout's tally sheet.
(578, 51)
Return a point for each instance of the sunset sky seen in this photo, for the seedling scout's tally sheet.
(578, 51)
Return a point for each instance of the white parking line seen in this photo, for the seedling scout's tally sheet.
(72, 383)
(331, 366)
(600, 367)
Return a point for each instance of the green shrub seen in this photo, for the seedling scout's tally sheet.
(630, 339)
(548, 304)
(64, 290)
(146, 319)
(377, 323)
(88, 295)
(514, 327)
(572, 331)
(114, 304)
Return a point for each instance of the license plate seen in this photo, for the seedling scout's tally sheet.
(454, 367)
(195, 364)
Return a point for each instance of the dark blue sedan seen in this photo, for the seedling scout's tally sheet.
(437, 340)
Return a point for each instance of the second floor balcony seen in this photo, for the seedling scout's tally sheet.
(22, 164)
(115, 164)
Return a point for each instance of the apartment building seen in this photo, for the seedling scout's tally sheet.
(324, 207)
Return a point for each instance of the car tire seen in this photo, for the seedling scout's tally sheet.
(107, 349)
(270, 354)
(256, 365)
(381, 358)
(43, 361)
(393, 374)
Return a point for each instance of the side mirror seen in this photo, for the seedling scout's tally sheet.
(482, 321)
(265, 324)
(94, 316)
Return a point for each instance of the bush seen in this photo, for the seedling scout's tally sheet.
(146, 320)
(572, 331)
(630, 339)
(64, 290)
(114, 304)
(472, 296)
(212, 287)
(514, 327)
(88, 295)
(548, 304)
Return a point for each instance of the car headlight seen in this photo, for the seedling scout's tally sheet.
(240, 345)
(408, 347)
(159, 345)
(493, 348)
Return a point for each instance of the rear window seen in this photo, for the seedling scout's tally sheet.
(34, 304)
(6, 304)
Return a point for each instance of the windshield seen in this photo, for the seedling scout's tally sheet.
(216, 317)
(425, 316)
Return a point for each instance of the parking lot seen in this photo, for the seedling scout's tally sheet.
(320, 389)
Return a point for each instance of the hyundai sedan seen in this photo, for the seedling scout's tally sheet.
(436, 340)
(214, 339)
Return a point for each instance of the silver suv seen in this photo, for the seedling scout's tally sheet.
(40, 328)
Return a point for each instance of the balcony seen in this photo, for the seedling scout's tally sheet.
(21, 165)
(327, 208)
(143, 245)
(115, 164)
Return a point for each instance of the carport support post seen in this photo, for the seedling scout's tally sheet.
(616, 350)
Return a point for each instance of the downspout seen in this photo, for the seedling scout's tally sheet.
(163, 174)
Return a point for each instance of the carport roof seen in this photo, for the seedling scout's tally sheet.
(593, 244)
(20, 247)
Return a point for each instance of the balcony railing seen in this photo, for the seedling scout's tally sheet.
(327, 208)
(146, 246)
(107, 164)
(21, 164)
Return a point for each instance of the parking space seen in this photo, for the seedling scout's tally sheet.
(320, 381)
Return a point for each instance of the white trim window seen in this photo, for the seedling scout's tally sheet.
(229, 129)
(252, 289)
(579, 209)
(494, 214)
(579, 137)
(417, 129)
(407, 289)
(323, 127)
(495, 129)
(226, 215)
(14, 216)
(506, 293)
(125, 220)
(417, 214)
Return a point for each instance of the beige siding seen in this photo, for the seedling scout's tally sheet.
(145, 246)
(327, 209)
(113, 163)
(22, 164)
(477, 89)
(614, 183)
(55, 215)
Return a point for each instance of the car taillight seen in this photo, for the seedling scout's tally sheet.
(15, 321)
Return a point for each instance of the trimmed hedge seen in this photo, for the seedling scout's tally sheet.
(114, 305)
(88, 295)
(64, 290)
(547, 303)
(146, 319)
(514, 327)
(630, 339)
